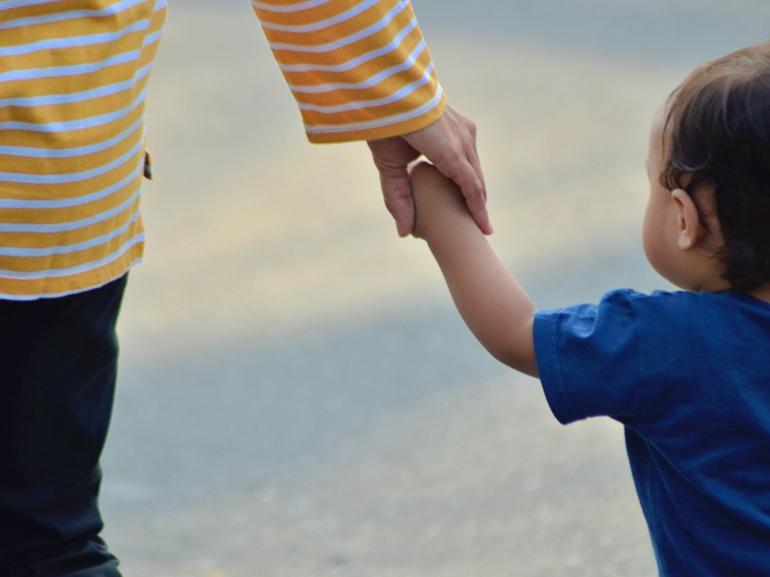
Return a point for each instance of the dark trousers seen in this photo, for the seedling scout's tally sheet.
(58, 363)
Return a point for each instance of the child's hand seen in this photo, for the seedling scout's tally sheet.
(436, 199)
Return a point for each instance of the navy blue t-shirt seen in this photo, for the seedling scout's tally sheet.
(688, 374)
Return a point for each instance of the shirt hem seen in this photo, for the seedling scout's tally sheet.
(48, 296)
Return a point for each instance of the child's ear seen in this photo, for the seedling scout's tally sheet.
(690, 229)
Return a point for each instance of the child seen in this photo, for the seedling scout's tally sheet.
(688, 372)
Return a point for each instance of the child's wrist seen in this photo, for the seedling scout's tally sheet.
(437, 201)
(429, 211)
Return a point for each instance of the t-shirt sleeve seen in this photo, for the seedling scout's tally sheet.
(589, 360)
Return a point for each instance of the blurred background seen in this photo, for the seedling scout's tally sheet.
(298, 396)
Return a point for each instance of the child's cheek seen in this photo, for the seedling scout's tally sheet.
(654, 238)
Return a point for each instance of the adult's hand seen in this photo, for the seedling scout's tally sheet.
(450, 144)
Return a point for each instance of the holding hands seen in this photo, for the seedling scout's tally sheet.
(450, 144)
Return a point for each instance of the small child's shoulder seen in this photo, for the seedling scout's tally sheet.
(677, 302)
(631, 297)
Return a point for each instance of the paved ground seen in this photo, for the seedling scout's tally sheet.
(298, 397)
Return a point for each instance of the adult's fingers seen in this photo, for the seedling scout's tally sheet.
(450, 144)
(473, 156)
(399, 201)
(464, 175)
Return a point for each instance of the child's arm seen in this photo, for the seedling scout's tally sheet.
(493, 305)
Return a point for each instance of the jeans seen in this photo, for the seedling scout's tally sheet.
(58, 365)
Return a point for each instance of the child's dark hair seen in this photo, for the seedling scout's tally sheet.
(717, 135)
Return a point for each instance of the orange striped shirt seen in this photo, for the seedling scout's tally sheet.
(73, 81)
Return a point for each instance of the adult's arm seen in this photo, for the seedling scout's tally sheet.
(361, 70)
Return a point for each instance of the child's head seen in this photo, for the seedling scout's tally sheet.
(708, 218)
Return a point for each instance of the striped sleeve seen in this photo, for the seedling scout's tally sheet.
(358, 69)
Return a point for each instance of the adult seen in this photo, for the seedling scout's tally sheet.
(72, 156)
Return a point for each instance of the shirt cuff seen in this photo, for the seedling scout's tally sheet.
(387, 130)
